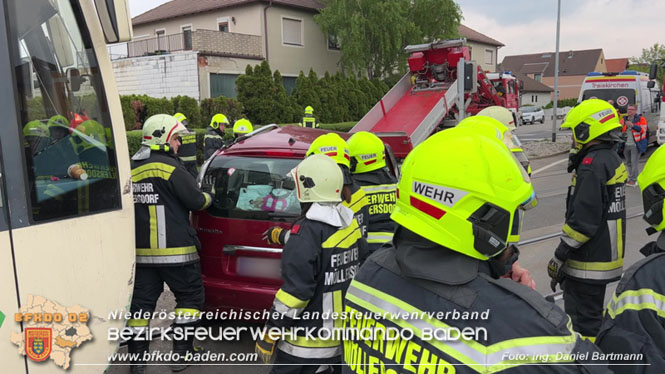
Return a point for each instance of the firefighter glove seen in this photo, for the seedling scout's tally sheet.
(265, 348)
(275, 235)
(555, 271)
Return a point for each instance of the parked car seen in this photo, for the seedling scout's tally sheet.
(252, 193)
(532, 114)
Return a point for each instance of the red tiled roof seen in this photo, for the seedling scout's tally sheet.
(473, 35)
(179, 8)
(616, 65)
(570, 62)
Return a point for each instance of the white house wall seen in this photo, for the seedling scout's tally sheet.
(536, 98)
(158, 76)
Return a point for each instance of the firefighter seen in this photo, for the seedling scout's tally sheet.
(448, 252)
(187, 150)
(242, 127)
(368, 165)
(36, 136)
(334, 146)
(308, 120)
(494, 129)
(591, 251)
(634, 321)
(166, 245)
(318, 262)
(506, 117)
(58, 128)
(214, 138)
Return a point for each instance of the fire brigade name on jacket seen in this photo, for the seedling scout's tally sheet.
(337, 260)
(143, 195)
(619, 203)
(444, 195)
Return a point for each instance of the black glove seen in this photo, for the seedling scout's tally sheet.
(555, 271)
(265, 348)
(275, 235)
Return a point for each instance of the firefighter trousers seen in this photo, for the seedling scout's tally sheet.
(184, 281)
(584, 303)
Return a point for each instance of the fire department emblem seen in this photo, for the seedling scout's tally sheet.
(38, 343)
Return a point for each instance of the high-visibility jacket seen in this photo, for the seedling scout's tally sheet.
(594, 234)
(187, 153)
(309, 121)
(634, 321)
(639, 131)
(379, 187)
(359, 207)
(164, 194)
(212, 141)
(410, 299)
(318, 263)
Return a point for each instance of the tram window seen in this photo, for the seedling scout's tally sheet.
(70, 159)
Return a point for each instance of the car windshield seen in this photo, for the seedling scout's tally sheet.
(529, 109)
(253, 188)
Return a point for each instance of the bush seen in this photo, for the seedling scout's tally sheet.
(571, 102)
(156, 106)
(190, 108)
(128, 113)
(134, 138)
(231, 108)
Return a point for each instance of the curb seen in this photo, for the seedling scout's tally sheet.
(546, 156)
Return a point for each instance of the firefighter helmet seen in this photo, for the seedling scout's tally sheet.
(219, 121)
(181, 118)
(652, 183)
(590, 119)
(367, 151)
(89, 134)
(319, 179)
(333, 146)
(58, 121)
(35, 128)
(242, 127)
(471, 203)
(309, 110)
(500, 114)
(160, 129)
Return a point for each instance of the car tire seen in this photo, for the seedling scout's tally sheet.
(542, 120)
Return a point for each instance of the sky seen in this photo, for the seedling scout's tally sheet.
(622, 28)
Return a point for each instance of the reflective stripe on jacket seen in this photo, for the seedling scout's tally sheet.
(187, 153)
(634, 322)
(164, 194)
(595, 227)
(309, 121)
(380, 189)
(318, 263)
(212, 141)
(383, 298)
(359, 207)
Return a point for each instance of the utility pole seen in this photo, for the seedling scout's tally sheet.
(556, 73)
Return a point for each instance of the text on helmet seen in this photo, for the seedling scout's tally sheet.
(444, 195)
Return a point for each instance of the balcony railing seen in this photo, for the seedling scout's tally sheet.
(209, 42)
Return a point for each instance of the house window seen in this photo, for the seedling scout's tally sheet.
(187, 37)
(489, 56)
(292, 31)
(538, 77)
(289, 84)
(333, 42)
(223, 24)
(161, 40)
(223, 85)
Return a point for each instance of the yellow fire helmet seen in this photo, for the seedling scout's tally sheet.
(492, 127)
(367, 151)
(318, 179)
(591, 119)
(58, 121)
(500, 114)
(471, 202)
(181, 118)
(219, 121)
(309, 110)
(36, 128)
(242, 127)
(652, 184)
(333, 146)
(89, 134)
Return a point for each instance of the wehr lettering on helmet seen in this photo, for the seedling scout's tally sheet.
(444, 195)
(603, 116)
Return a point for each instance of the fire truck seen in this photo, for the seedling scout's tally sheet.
(429, 96)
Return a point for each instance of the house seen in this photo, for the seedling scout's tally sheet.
(616, 65)
(208, 44)
(484, 50)
(534, 92)
(573, 67)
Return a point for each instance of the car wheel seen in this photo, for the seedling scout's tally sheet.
(542, 120)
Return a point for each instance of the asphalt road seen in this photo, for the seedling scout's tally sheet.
(537, 131)
(550, 181)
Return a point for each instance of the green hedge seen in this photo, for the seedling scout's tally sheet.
(571, 102)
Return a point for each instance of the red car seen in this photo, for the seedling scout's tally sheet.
(252, 193)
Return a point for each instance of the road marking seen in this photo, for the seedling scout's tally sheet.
(549, 166)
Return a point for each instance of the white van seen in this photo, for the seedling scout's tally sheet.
(627, 87)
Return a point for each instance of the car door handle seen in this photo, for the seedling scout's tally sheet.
(231, 249)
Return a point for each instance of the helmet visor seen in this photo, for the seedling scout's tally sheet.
(652, 200)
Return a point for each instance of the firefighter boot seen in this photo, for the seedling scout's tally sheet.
(138, 350)
(185, 349)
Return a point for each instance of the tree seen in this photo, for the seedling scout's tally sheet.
(653, 54)
(373, 33)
